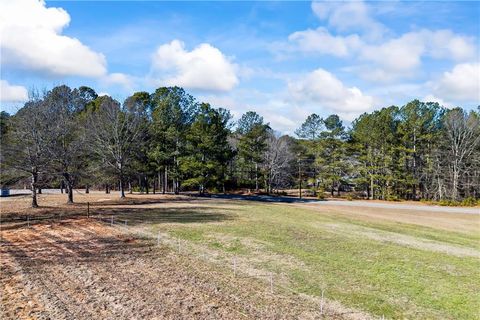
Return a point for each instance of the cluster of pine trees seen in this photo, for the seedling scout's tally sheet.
(418, 151)
(167, 141)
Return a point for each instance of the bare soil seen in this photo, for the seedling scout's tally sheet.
(66, 266)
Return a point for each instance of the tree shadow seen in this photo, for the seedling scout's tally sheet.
(81, 244)
(146, 199)
(135, 216)
(265, 198)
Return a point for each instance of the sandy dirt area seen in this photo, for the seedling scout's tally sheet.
(66, 266)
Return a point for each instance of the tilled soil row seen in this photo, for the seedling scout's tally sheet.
(81, 269)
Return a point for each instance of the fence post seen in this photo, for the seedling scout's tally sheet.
(271, 282)
(28, 221)
(321, 304)
(88, 210)
(234, 267)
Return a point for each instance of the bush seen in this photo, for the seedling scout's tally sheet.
(392, 198)
(470, 202)
(448, 203)
(349, 197)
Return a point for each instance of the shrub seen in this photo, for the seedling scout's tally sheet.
(320, 193)
(448, 203)
(392, 198)
(470, 202)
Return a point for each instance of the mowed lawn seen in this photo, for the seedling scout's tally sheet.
(423, 269)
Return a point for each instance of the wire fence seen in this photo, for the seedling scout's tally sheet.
(272, 280)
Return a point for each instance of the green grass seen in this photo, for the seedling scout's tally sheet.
(379, 277)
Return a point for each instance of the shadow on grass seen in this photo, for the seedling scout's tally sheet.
(143, 199)
(135, 216)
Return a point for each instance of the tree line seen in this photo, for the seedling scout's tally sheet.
(167, 141)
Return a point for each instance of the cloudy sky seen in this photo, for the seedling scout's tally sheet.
(284, 60)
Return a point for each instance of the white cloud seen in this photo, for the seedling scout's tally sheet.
(204, 68)
(346, 16)
(401, 56)
(378, 56)
(321, 41)
(321, 89)
(462, 84)
(122, 79)
(32, 39)
(444, 44)
(11, 93)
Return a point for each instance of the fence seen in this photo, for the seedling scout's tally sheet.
(272, 286)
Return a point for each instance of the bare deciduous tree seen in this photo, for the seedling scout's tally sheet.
(67, 143)
(277, 161)
(115, 134)
(24, 147)
(462, 133)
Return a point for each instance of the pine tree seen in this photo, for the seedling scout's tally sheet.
(207, 149)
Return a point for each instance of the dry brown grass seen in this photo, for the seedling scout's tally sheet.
(438, 220)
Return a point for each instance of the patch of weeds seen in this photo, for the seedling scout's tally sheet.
(189, 234)
(235, 246)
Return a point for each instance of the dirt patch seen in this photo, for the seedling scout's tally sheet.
(464, 223)
(400, 239)
(82, 269)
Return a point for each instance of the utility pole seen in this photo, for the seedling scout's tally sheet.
(299, 178)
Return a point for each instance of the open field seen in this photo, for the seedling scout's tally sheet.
(368, 261)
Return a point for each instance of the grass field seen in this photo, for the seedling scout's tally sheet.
(422, 269)
(369, 262)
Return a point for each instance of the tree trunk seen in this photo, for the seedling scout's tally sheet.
(69, 191)
(160, 181)
(122, 190)
(165, 181)
(146, 184)
(256, 177)
(39, 191)
(455, 181)
(87, 189)
(34, 190)
(107, 188)
(130, 191)
(372, 193)
(70, 195)
(69, 184)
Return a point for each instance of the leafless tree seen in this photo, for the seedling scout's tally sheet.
(277, 161)
(24, 147)
(462, 134)
(115, 135)
(67, 142)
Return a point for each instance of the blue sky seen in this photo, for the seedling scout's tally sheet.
(284, 60)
